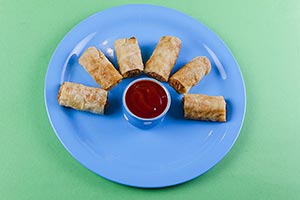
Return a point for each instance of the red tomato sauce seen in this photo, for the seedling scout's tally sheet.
(146, 99)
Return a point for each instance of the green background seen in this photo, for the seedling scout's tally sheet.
(264, 162)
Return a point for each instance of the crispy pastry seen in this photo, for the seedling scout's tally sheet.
(82, 97)
(129, 57)
(190, 74)
(163, 58)
(100, 68)
(203, 107)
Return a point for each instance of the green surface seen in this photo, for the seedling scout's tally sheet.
(263, 164)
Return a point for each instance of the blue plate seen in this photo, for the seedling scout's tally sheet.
(173, 152)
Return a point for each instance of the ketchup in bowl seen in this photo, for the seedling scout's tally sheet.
(145, 102)
(146, 99)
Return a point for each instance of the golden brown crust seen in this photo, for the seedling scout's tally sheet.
(100, 68)
(177, 85)
(60, 91)
(129, 57)
(82, 97)
(163, 58)
(190, 74)
(156, 76)
(132, 73)
(203, 107)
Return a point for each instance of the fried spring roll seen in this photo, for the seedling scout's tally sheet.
(129, 57)
(163, 58)
(203, 107)
(100, 68)
(190, 74)
(82, 97)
